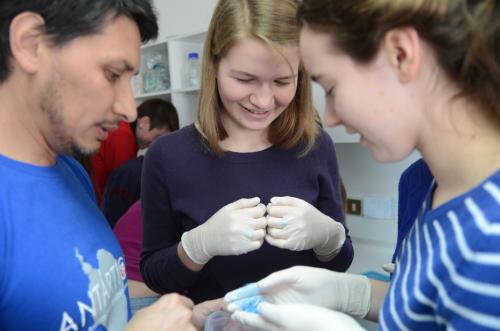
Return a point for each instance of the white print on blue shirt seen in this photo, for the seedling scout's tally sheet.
(106, 292)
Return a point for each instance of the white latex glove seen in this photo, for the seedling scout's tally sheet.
(296, 317)
(237, 228)
(348, 293)
(296, 225)
(172, 312)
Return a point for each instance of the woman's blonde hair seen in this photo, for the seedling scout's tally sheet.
(273, 22)
(464, 34)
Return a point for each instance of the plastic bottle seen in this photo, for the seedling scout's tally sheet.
(192, 74)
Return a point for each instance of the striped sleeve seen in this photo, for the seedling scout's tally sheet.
(448, 274)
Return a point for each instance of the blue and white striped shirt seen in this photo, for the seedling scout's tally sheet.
(448, 272)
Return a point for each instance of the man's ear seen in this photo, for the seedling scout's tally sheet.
(144, 123)
(403, 47)
(25, 37)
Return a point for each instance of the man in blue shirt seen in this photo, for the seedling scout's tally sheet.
(65, 70)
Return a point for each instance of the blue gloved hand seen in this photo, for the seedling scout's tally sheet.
(296, 317)
(348, 293)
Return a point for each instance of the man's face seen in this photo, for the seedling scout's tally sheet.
(85, 89)
(145, 135)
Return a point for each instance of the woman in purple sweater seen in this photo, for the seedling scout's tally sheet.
(253, 187)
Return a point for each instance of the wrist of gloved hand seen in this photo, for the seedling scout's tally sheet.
(192, 243)
(335, 238)
(353, 294)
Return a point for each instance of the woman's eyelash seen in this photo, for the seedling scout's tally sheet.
(112, 76)
(330, 91)
(244, 80)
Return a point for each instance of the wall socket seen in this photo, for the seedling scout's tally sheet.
(354, 207)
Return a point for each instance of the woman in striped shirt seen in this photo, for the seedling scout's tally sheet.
(409, 74)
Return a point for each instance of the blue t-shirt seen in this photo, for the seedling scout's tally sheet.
(61, 268)
(448, 272)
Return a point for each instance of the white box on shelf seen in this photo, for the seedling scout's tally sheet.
(155, 68)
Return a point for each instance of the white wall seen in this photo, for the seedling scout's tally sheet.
(179, 17)
(374, 239)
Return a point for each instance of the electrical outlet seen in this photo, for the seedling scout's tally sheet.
(354, 206)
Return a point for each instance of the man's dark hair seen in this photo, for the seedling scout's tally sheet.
(161, 113)
(66, 20)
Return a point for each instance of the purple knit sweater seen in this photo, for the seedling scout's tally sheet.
(183, 185)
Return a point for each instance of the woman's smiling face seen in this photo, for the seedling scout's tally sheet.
(256, 83)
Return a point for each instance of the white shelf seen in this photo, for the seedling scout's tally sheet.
(197, 37)
(153, 94)
(187, 90)
(167, 92)
(175, 50)
(152, 44)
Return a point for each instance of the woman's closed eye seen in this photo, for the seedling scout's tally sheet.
(283, 82)
(112, 76)
(244, 80)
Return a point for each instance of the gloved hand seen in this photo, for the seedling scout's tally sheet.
(348, 293)
(296, 225)
(297, 317)
(237, 228)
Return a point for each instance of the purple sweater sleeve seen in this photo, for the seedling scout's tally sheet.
(330, 202)
(183, 185)
(161, 267)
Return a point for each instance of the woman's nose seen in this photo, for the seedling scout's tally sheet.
(331, 118)
(263, 98)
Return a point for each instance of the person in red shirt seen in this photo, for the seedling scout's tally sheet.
(120, 147)
(123, 144)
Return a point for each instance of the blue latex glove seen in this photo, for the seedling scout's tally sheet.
(296, 317)
(348, 293)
